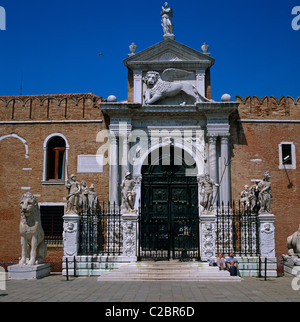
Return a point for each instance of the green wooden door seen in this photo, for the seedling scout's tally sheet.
(169, 226)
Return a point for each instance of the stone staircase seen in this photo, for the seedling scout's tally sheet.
(168, 271)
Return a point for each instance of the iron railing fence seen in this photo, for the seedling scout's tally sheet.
(101, 232)
(237, 230)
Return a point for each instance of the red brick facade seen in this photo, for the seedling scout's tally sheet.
(25, 124)
(257, 129)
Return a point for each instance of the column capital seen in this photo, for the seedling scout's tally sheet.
(212, 138)
(225, 139)
(121, 129)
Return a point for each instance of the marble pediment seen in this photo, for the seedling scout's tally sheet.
(168, 56)
(168, 52)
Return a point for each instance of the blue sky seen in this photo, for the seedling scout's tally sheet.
(55, 44)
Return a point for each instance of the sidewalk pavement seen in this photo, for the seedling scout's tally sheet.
(55, 288)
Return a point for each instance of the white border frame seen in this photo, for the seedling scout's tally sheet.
(293, 156)
(45, 145)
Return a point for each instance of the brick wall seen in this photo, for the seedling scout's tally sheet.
(257, 130)
(25, 124)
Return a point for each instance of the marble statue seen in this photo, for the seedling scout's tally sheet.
(162, 86)
(73, 195)
(206, 191)
(253, 197)
(293, 243)
(292, 259)
(245, 198)
(166, 19)
(83, 198)
(34, 249)
(93, 200)
(128, 193)
(265, 193)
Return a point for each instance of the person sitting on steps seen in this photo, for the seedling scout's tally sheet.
(221, 262)
(231, 264)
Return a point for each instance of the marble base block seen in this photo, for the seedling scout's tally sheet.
(25, 272)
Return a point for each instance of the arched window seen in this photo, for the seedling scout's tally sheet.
(55, 158)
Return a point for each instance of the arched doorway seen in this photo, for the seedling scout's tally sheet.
(169, 221)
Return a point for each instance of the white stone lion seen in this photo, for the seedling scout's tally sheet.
(162, 86)
(34, 249)
(293, 243)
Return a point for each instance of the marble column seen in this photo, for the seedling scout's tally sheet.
(114, 170)
(124, 147)
(138, 86)
(212, 160)
(212, 157)
(123, 154)
(225, 171)
(200, 77)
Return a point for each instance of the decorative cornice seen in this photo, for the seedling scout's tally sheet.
(265, 98)
(58, 98)
(50, 122)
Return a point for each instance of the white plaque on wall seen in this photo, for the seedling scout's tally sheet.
(90, 163)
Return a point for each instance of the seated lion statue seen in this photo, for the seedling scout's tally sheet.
(293, 243)
(34, 249)
(162, 86)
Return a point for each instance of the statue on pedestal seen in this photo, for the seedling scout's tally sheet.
(253, 197)
(293, 243)
(34, 249)
(73, 195)
(166, 20)
(245, 198)
(265, 193)
(128, 193)
(206, 191)
(83, 198)
(93, 200)
(293, 246)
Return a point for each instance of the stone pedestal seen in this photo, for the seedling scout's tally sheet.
(71, 234)
(267, 234)
(169, 36)
(70, 239)
(130, 236)
(267, 243)
(291, 265)
(207, 222)
(26, 272)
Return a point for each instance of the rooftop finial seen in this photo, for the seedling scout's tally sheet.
(166, 22)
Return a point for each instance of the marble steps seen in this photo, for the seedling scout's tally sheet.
(168, 271)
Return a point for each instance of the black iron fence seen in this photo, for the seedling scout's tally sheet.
(237, 230)
(101, 232)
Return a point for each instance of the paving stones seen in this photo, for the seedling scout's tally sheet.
(55, 288)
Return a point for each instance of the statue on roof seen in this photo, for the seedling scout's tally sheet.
(166, 21)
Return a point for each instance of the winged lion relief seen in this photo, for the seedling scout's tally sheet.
(163, 85)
